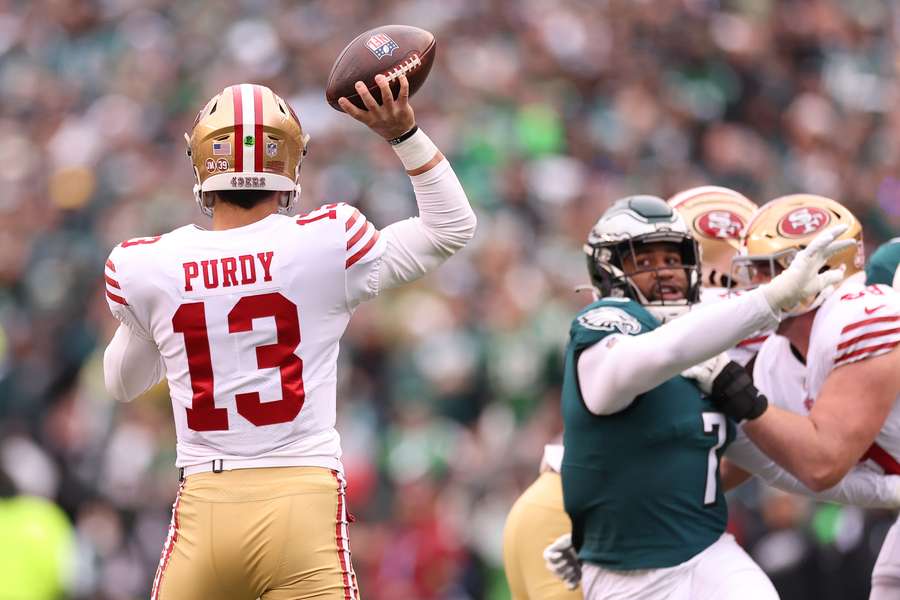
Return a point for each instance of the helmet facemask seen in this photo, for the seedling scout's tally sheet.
(781, 229)
(612, 268)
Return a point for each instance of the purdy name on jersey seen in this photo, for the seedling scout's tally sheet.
(228, 271)
(248, 321)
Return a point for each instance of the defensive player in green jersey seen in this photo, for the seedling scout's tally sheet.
(642, 444)
(882, 265)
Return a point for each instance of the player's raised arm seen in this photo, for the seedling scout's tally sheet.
(611, 375)
(859, 487)
(446, 220)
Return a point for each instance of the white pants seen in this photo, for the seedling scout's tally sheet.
(886, 573)
(721, 572)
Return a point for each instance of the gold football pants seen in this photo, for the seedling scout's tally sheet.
(535, 521)
(269, 533)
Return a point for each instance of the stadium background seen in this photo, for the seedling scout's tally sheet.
(449, 388)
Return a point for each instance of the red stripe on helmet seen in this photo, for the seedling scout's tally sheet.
(238, 128)
(258, 129)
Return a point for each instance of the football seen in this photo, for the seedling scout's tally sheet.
(392, 50)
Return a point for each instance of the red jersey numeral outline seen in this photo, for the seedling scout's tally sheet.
(190, 320)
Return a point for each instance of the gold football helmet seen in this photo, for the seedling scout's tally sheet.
(716, 215)
(783, 227)
(247, 138)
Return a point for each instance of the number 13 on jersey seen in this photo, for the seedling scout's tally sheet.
(190, 320)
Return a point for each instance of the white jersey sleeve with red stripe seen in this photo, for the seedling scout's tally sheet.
(120, 287)
(855, 323)
(364, 246)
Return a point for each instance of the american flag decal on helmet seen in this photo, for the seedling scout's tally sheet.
(381, 45)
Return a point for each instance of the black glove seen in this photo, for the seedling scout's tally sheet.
(735, 395)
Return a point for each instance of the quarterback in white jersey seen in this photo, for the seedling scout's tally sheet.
(244, 322)
(837, 365)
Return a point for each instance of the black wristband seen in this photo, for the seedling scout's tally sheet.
(402, 138)
(734, 394)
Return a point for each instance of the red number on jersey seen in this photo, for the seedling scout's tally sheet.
(280, 354)
(139, 241)
(190, 319)
(870, 290)
(313, 217)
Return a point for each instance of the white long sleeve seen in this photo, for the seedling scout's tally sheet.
(131, 365)
(445, 223)
(860, 487)
(612, 373)
(416, 246)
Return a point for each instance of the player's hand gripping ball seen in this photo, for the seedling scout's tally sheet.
(392, 51)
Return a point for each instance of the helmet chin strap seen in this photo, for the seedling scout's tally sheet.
(198, 195)
(288, 201)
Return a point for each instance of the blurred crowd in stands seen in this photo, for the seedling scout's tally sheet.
(548, 111)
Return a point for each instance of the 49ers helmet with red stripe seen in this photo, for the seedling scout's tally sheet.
(247, 138)
(716, 216)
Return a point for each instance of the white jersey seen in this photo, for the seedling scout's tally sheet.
(744, 351)
(553, 456)
(855, 322)
(247, 322)
(781, 375)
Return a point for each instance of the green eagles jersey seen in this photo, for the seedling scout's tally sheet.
(642, 485)
(882, 265)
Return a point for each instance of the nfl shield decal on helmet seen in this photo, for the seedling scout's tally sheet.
(719, 224)
(381, 45)
(803, 221)
(609, 318)
(271, 148)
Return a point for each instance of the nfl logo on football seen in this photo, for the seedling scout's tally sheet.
(381, 45)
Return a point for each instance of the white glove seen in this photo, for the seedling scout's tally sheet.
(707, 371)
(562, 560)
(802, 278)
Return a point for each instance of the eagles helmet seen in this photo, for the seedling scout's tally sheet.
(784, 226)
(629, 223)
(247, 138)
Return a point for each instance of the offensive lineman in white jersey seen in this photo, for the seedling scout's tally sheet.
(244, 321)
(837, 364)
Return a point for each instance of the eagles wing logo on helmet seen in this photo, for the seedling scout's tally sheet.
(719, 224)
(804, 221)
(608, 318)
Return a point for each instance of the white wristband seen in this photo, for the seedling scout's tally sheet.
(416, 151)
